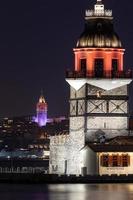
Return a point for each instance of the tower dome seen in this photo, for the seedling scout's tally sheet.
(99, 31)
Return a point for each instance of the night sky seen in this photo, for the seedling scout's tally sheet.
(36, 41)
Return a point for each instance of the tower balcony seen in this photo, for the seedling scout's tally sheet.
(106, 80)
(128, 74)
(98, 13)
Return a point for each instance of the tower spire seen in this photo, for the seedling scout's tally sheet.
(41, 99)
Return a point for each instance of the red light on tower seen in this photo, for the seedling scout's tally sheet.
(41, 105)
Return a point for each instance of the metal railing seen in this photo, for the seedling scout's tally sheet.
(93, 13)
(99, 74)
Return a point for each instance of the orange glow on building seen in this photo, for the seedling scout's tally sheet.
(90, 54)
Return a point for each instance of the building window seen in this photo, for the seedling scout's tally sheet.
(83, 65)
(99, 68)
(114, 65)
(115, 160)
(105, 160)
(125, 161)
(105, 126)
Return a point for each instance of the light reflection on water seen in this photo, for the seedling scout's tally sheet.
(91, 192)
(67, 192)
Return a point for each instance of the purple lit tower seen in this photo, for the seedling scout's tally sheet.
(41, 109)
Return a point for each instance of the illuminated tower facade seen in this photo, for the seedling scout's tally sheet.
(99, 100)
(98, 86)
(41, 110)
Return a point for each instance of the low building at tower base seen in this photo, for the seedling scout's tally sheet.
(112, 157)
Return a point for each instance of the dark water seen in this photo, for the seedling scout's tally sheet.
(67, 192)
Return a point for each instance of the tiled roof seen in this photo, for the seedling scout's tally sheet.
(118, 144)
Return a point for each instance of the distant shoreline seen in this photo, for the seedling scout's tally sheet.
(40, 178)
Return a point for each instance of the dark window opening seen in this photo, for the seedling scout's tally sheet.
(99, 68)
(105, 160)
(125, 160)
(114, 66)
(83, 65)
(84, 171)
(114, 161)
(65, 166)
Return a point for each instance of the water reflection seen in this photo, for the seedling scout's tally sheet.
(67, 192)
(91, 192)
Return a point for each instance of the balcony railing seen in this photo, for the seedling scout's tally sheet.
(93, 13)
(106, 74)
